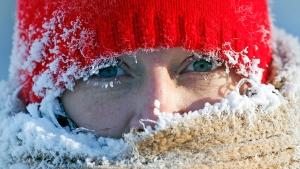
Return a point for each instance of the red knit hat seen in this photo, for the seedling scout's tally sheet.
(57, 42)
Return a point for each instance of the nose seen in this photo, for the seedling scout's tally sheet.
(158, 91)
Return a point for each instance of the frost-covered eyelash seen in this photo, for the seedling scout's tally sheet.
(120, 63)
(103, 64)
(215, 60)
(196, 57)
(107, 63)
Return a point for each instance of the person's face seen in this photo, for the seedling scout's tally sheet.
(118, 97)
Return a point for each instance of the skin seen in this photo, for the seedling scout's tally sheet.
(160, 75)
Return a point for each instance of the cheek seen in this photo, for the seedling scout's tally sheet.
(197, 90)
(94, 109)
(208, 83)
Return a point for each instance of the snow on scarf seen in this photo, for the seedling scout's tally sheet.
(257, 130)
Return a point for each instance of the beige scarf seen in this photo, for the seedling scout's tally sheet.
(271, 141)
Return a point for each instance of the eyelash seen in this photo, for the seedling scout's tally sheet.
(113, 71)
(189, 64)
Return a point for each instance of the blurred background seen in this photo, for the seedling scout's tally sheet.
(286, 14)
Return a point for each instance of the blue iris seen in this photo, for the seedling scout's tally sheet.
(108, 72)
(202, 65)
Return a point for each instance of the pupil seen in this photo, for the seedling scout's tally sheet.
(202, 65)
(108, 72)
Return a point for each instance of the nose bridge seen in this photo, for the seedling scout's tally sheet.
(158, 85)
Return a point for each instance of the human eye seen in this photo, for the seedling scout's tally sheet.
(200, 65)
(111, 71)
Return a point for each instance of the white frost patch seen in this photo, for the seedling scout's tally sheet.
(53, 79)
(286, 54)
(256, 72)
(157, 104)
(249, 68)
(39, 137)
(36, 55)
(33, 110)
(156, 110)
(105, 62)
(54, 65)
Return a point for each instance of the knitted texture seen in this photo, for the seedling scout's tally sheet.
(61, 40)
(271, 141)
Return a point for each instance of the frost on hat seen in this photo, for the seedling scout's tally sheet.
(58, 42)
